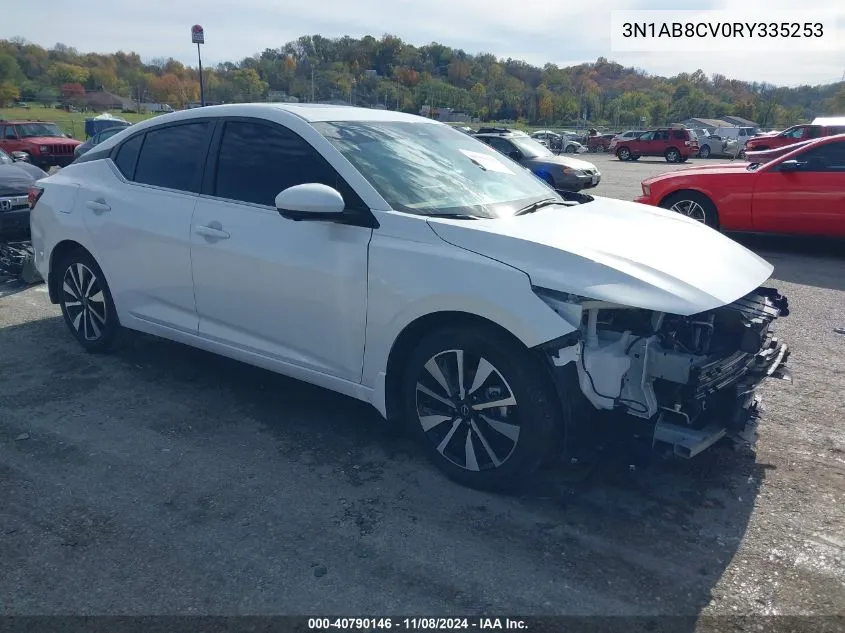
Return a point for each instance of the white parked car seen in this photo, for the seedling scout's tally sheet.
(393, 259)
(627, 135)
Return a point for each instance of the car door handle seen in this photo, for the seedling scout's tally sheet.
(98, 206)
(213, 232)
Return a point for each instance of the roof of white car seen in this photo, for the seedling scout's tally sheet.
(311, 112)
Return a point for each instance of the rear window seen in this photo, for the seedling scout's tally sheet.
(173, 156)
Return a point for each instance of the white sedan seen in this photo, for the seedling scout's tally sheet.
(393, 259)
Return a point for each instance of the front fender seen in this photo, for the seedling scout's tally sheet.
(411, 280)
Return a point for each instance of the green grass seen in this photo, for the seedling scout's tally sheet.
(71, 122)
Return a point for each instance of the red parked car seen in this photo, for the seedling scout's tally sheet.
(792, 135)
(676, 145)
(801, 192)
(43, 142)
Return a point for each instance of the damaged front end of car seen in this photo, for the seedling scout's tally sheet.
(684, 382)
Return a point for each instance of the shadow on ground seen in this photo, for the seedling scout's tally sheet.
(625, 540)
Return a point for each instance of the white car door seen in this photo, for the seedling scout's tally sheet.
(139, 217)
(291, 291)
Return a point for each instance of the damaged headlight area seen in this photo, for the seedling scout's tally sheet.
(691, 378)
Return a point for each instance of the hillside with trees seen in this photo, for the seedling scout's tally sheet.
(389, 72)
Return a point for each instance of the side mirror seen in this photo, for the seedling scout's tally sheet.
(790, 165)
(312, 201)
(21, 157)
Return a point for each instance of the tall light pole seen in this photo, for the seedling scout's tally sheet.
(198, 37)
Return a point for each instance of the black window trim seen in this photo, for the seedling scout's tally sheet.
(112, 155)
(363, 217)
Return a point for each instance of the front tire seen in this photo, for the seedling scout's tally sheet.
(86, 302)
(482, 407)
(693, 205)
(623, 153)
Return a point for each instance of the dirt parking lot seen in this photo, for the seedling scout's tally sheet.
(163, 480)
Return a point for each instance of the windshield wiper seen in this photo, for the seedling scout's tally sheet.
(452, 216)
(534, 206)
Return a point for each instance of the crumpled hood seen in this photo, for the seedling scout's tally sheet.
(565, 161)
(623, 252)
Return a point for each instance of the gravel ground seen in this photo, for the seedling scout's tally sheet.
(164, 480)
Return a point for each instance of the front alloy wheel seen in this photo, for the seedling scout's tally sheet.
(623, 153)
(482, 407)
(467, 410)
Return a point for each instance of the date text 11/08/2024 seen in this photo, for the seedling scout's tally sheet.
(415, 624)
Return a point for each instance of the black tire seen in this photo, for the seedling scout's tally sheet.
(87, 305)
(570, 149)
(623, 153)
(705, 213)
(497, 450)
(704, 152)
(672, 155)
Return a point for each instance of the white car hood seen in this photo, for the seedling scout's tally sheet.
(623, 252)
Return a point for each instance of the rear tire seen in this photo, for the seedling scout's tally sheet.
(477, 445)
(86, 302)
(693, 205)
(672, 155)
(704, 152)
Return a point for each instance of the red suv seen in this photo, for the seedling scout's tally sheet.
(676, 145)
(43, 141)
(791, 135)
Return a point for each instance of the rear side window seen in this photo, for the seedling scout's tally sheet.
(127, 156)
(173, 156)
(679, 134)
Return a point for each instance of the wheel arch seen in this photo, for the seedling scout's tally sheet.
(697, 192)
(412, 333)
(60, 250)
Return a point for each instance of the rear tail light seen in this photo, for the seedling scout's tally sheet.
(34, 195)
(687, 143)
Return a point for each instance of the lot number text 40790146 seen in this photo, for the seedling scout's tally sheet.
(415, 624)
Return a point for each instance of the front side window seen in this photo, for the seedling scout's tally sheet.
(796, 133)
(431, 169)
(257, 161)
(173, 156)
(647, 136)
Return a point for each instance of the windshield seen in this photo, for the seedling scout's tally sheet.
(29, 130)
(531, 148)
(431, 169)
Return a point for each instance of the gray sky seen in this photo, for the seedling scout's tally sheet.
(538, 31)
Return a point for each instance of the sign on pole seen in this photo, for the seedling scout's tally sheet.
(197, 34)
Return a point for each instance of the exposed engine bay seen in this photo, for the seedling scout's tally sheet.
(692, 377)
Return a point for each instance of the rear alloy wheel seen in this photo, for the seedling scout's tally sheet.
(482, 407)
(693, 205)
(704, 152)
(672, 155)
(623, 153)
(86, 301)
